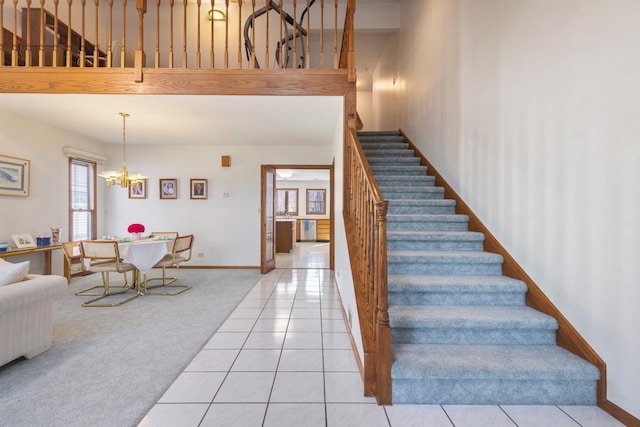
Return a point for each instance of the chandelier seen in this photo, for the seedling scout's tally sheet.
(122, 177)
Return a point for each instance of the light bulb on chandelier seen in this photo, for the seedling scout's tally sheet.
(122, 177)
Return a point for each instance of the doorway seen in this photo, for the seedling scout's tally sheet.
(302, 209)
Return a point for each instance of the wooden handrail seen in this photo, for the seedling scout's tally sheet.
(365, 217)
(51, 39)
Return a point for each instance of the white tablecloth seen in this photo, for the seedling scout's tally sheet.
(144, 254)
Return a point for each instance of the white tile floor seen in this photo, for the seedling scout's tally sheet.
(283, 358)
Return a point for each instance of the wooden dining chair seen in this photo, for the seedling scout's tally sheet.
(180, 252)
(102, 256)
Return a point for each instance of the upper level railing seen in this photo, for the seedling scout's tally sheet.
(186, 34)
(365, 217)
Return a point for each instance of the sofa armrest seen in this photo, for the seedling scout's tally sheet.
(34, 288)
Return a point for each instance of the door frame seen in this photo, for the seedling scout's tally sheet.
(263, 177)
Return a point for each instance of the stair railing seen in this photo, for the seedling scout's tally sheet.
(365, 217)
(178, 34)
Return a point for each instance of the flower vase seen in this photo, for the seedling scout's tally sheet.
(136, 236)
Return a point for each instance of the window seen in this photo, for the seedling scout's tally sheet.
(82, 201)
(316, 201)
(287, 201)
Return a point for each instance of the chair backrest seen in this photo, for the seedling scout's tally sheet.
(99, 251)
(183, 244)
(72, 255)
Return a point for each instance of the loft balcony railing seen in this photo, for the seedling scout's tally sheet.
(185, 34)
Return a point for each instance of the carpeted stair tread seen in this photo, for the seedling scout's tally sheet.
(415, 181)
(435, 235)
(426, 283)
(478, 317)
(427, 218)
(389, 152)
(446, 256)
(505, 362)
(406, 170)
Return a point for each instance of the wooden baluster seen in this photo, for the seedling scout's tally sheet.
(139, 60)
(109, 63)
(2, 32)
(280, 40)
(42, 25)
(351, 61)
(212, 56)
(27, 53)
(14, 42)
(96, 51)
(171, 2)
(226, 35)
(335, 36)
(83, 54)
(253, 34)
(295, 30)
(266, 52)
(307, 59)
(69, 62)
(156, 56)
(321, 34)
(198, 52)
(239, 34)
(184, 36)
(123, 50)
(383, 330)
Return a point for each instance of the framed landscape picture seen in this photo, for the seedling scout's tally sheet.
(198, 188)
(138, 190)
(168, 188)
(14, 176)
(24, 240)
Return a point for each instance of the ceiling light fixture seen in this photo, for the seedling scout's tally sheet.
(122, 178)
(284, 173)
(216, 15)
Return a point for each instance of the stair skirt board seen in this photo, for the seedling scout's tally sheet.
(461, 332)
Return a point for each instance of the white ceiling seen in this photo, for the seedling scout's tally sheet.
(195, 120)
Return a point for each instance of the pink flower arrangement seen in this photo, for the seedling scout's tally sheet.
(136, 228)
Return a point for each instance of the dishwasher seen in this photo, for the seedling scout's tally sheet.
(308, 230)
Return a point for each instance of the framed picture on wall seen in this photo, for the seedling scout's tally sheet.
(316, 204)
(168, 188)
(138, 190)
(198, 188)
(14, 176)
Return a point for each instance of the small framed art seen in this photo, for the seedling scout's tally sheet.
(138, 190)
(14, 176)
(168, 188)
(198, 188)
(24, 241)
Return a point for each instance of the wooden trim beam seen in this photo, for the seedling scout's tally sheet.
(175, 81)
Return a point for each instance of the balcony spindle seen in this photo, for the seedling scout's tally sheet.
(184, 35)
(307, 56)
(171, 3)
(335, 36)
(295, 36)
(253, 34)
(27, 53)
(123, 42)
(69, 61)
(212, 57)
(198, 35)
(109, 36)
(321, 34)
(239, 34)
(226, 35)
(156, 56)
(83, 54)
(266, 53)
(96, 50)
(282, 45)
(42, 25)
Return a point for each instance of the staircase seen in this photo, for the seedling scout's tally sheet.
(461, 333)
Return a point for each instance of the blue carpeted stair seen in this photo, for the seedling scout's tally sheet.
(461, 332)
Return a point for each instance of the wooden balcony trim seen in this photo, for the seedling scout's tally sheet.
(175, 81)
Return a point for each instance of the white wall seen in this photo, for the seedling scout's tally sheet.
(226, 229)
(48, 202)
(529, 109)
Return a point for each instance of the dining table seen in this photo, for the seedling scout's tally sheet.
(144, 254)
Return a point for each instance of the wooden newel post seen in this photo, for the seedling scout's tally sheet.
(351, 61)
(141, 6)
(383, 330)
